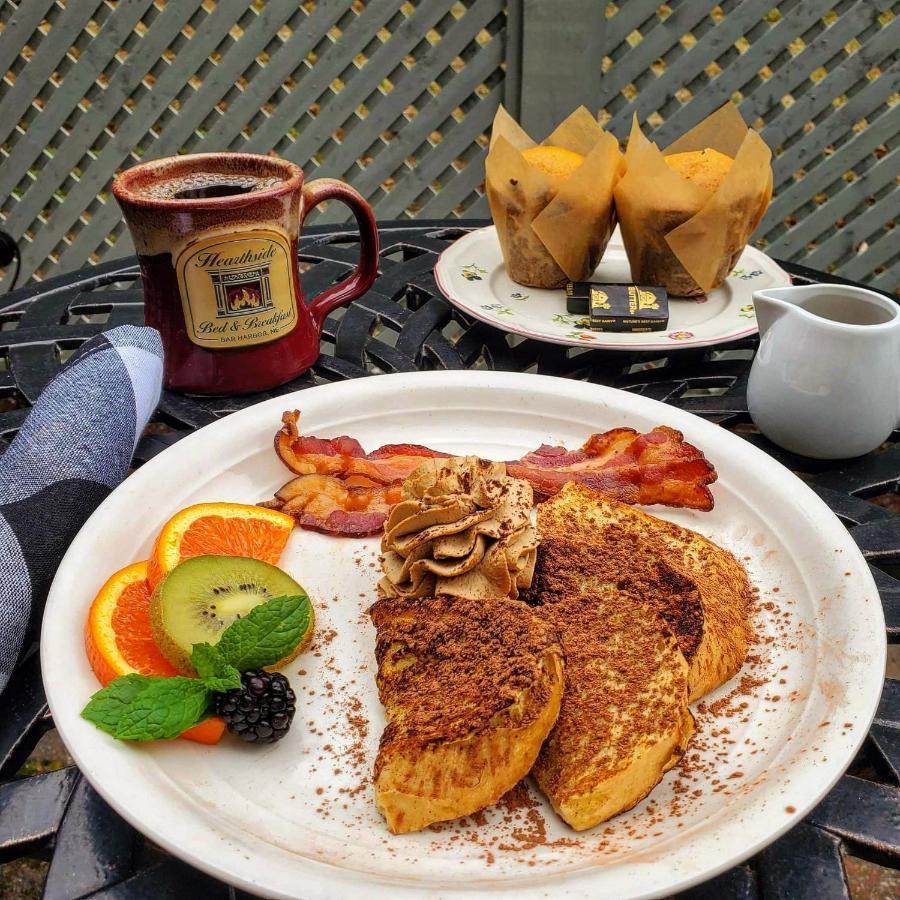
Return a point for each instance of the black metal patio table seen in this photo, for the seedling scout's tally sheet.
(404, 324)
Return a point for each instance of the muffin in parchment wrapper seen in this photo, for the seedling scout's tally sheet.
(551, 230)
(678, 235)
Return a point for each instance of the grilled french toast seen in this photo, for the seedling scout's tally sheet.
(471, 688)
(624, 718)
(650, 616)
(591, 543)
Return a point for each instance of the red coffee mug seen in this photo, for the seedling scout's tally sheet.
(216, 236)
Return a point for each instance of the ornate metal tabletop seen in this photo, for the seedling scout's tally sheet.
(404, 324)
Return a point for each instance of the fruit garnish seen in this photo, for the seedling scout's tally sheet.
(117, 634)
(209, 731)
(119, 641)
(260, 711)
(201, 597)
(141, 707)
(144, 708)
(219, 529)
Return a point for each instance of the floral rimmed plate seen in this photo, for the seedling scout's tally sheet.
(472, 275)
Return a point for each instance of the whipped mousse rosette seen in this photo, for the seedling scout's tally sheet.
(463, 529)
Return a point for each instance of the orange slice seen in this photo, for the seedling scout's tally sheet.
(219, 529)
(119, 641)
(117, 633)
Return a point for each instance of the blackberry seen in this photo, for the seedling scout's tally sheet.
(261, 710)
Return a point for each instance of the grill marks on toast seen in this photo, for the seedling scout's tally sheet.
(470, 690)
(624, 719)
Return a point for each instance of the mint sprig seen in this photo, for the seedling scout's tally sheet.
(269, 633)
(149, 707)
(213, 669)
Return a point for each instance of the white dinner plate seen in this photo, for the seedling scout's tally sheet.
(472, 275)
(297, 818)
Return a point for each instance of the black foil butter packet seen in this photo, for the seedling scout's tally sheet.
(631, 308)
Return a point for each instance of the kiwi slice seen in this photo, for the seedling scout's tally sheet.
(203, 595)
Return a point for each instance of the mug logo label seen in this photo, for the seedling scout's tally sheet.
(241, 291)
(237, 290)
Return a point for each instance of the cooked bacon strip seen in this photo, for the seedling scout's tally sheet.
(344, 490)
(328, 504)
(390, 463)
(656, 467)
(344, 456)
(311, 455)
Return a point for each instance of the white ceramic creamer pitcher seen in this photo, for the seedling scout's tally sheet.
(825, 382)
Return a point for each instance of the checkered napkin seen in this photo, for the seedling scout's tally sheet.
(72, 450)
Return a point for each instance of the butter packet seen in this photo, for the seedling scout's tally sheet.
(623, 308)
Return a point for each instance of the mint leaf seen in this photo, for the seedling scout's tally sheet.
(267, 634)
(148, 708)
(214, 671)
(104, 707)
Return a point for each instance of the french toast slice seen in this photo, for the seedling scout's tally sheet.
(471, 688)
(624, 719)
(590, 543)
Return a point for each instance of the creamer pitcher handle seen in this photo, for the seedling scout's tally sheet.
(363, 277)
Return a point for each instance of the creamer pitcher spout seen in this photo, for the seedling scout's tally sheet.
(771, 305)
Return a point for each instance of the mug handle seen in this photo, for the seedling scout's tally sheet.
(363, 277)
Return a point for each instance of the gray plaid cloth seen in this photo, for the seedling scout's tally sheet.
(72, 450)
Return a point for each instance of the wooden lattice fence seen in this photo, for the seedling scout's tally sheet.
(819, 80)
(397, 98)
